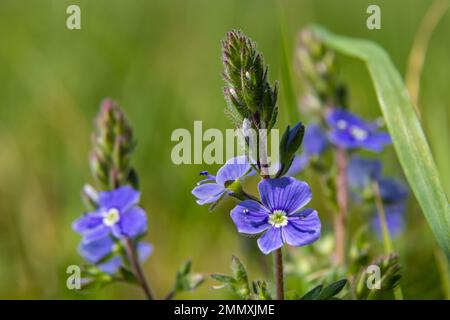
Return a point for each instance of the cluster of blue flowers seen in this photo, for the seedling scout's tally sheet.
(348, 131)
(278, 216)
(116, 218)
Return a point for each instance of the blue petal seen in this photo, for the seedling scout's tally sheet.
(233, 169)
(271, 240)
(363, 171)
(298, 164)
(336, 115)
(394, 219)
(287, 194)
(111, 266)
(250, 217)
(144, 250)
(97, 233)
(208, 193)
(132, 223)
(87, 222)
(122, 198)
(315, 141)
(343, 139)
(392, 190)
(377, 141)
(96, 250)
(303, 228)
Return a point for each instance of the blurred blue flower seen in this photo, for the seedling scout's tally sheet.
(314, 144)
(392, 190)
(278, 215)
(361, 172)
(349, 131)
(98, 250)
(213, 188)
(117, 214)
(395, 219)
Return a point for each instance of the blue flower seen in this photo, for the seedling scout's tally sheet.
(278, 215)
(97, 251)
(349, 131)
(395, 220)
(361, 172)
(392, 190)
(315, 142)
(232, 170)
(117, 214)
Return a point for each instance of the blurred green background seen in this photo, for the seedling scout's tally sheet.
(161, 61)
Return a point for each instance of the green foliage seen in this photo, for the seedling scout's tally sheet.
(186, 280)
(289, 144)
(238, 282)
(327, 293)
(389, 278)
(406, 131)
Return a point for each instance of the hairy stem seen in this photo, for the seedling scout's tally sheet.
(342, 200)
(279, 280)
(387, 241)
(134, 260)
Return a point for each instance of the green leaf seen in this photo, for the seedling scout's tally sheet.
(406, 131)
(332, 290)
(312, 294)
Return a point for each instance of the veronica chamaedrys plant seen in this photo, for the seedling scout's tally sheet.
(113, 228)
(278, 214)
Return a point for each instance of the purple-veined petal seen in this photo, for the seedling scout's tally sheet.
(303, 228)
(111, 266)
(132, 223)
(233, 169)
(271, 240)
(250, 217)
(287, 194)
(208, 193)
(122, 198)
(96, 250)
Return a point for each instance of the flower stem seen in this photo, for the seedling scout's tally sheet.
(279, 281)
(134, 260)
(342, 200)
(387, 241)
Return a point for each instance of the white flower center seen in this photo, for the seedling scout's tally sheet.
(342, 124)
(278, 219)
(358, 133)
(111, 217)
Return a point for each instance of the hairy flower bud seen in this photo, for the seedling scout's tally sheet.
(247, 90)
(112, 146)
